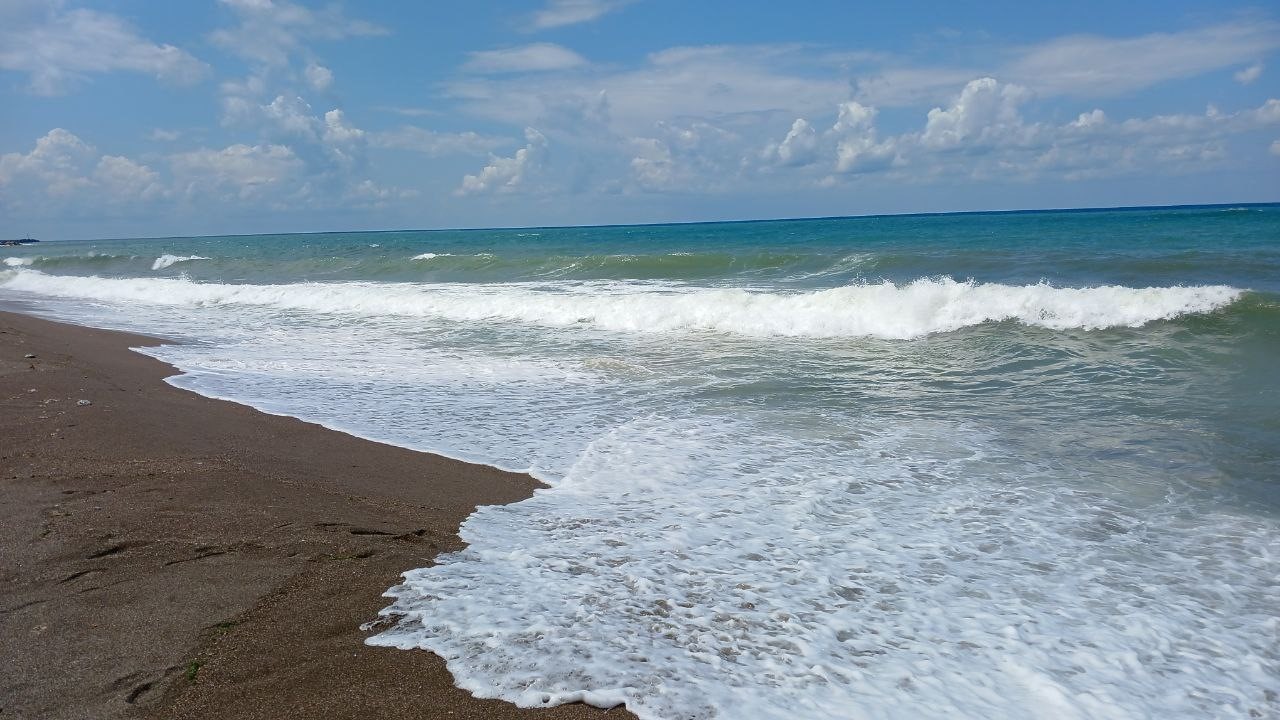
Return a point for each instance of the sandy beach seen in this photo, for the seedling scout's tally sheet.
(167, 555)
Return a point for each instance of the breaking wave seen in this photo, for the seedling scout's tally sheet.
(166, 260)
(882, 310)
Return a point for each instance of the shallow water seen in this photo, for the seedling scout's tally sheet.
(977, 465)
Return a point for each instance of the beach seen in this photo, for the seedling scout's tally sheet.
(166, 555)
(932, 467)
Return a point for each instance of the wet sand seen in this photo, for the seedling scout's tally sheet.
(165, 555)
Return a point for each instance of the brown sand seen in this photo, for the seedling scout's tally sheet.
(165, 555)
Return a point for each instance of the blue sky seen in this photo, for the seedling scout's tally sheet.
(139, 118)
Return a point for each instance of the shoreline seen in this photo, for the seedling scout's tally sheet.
(165, 554)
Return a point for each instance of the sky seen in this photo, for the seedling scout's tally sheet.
(136, 118)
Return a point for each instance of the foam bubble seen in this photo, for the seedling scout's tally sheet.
(166, 260)
(690, 574)
(883, 310)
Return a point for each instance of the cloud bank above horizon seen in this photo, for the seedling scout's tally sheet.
(273, 115)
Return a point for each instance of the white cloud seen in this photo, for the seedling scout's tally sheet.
(269, 31)
(337, 131)
(1275, 147)
(709, 83)
(851, 145)
(982, 135)
(292, 116)
(905, 86)
(1249, 74)
(236, 172)
(984, 112)
(799, 147)
(58, 48)
(1094, 66)
(318, 76)
(64, 172)
(1079, 65)
(692, 156)
(57, 164)
(409, 111)
(653, 166)
(368, 194)
(559, 13)
(123, 179)
(1092, 119)
(436, 144)
(527, 58)
(162, 135)
(857, 149)
(505, 174)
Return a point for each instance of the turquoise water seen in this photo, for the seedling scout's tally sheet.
(959, 465)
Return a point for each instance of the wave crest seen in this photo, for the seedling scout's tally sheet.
(166, 260)
(881, 310)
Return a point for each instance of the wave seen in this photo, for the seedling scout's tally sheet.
(166, 260)
(17, 261)
(674, 265)
(881, 310)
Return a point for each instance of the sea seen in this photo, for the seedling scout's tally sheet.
(995, 465)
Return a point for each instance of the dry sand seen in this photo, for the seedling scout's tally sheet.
(165, 555)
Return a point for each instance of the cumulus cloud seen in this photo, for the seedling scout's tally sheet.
(64, 171)
(505, 174)
(986, 111)
(982, 134)
(318, 76)
(236, 172)
(694, 155)
(559, 13)
(653, 165)
(857, 148)
(528, 58)
(59, 48)
(1249, 74)
(124, 179)
(799, 147)
(290, 120)
(851, 145)
(291, 116)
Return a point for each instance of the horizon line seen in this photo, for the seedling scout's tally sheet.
(680, 223)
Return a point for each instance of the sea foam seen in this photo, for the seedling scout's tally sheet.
(689, 575)
(881, 310)
(166, 260)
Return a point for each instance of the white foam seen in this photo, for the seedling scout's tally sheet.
(883, 310)
(166, 260)
(430, 256)
(688, 573)
(746, 530)
(18, 261)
